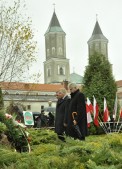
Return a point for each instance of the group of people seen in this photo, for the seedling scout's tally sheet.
(44, 120)
(71, 117)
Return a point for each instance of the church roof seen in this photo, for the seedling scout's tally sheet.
(30, 86)
(76, 78)
(54, 25)
(97, 33)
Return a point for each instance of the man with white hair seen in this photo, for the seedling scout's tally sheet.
(78, 106)
(61, 112)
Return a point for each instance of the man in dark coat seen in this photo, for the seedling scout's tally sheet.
(77, 105)
(61, 110)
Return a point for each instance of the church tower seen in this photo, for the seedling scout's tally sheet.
(56, 66)
(98, 42)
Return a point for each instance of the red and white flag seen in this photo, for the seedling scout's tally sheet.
(106, 116)
(95, 111)
(115, 109)
(90, 105)
(120, 115)
(89, 110)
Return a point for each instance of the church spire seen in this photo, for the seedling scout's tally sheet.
(54, 6)
(56, 66)
(97, 33)
(97, 29)
(98, 42)
(54, 25)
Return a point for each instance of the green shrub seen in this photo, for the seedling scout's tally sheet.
(97, 152)
(2, 127)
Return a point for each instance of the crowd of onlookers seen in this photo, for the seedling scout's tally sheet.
(43, 120)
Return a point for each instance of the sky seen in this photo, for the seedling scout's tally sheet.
(77, 18)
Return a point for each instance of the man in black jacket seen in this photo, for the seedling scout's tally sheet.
(77, 105)
(61, 112)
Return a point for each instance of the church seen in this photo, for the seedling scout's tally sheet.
(56, 69)
(56, 65)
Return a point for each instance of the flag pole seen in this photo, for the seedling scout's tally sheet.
(119, 119)
(102, 125)
(120, 127)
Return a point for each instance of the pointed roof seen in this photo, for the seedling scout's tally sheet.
(97, 33)
(97, 29)
(54, 25)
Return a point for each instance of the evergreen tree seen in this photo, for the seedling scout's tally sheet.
(1, 99)
(99, 81)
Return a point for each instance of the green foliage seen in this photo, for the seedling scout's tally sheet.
(7, 156)
(2, 116)
(1, 100)
(42, 136)
(14, 132)
(99, 81)
(17, 45)
(2, 127)
(97, 152)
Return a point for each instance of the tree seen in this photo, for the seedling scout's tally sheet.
(17, 45)
(99, 81)
(1, 100)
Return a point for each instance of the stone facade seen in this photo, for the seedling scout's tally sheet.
(56, 66)
(98, 42)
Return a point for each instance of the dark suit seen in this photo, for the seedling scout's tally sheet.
(61, 110)
(77, 104)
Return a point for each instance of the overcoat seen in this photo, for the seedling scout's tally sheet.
(77, 104)
(61, 111)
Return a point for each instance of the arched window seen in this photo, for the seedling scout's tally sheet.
(60, 50)
(61, 71)
(53, 50)
(48, 72)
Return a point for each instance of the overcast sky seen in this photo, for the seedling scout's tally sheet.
(77, 18)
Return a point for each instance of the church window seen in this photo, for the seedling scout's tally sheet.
(60, 50)
(61, 70)
(48, 72)
(48, 52)
(53, 50)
